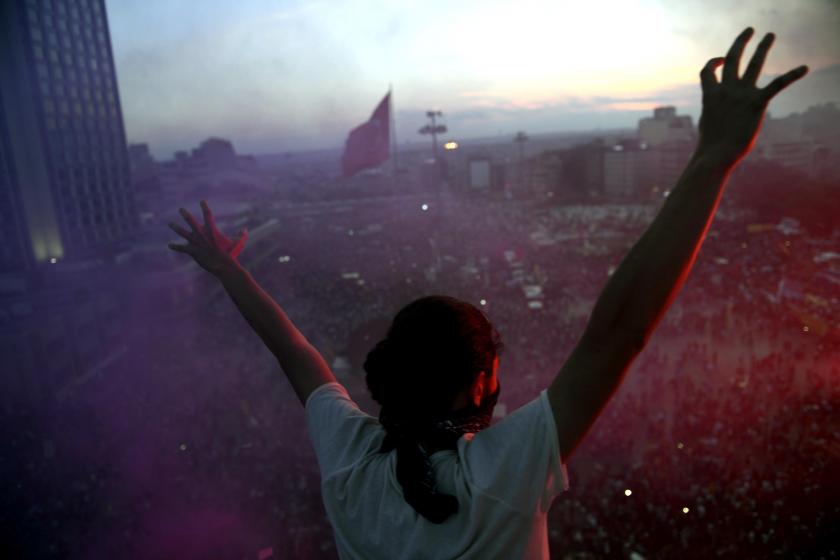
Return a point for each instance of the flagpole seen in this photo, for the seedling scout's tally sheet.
(393, 126)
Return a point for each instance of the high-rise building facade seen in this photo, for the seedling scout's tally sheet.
(64, 174)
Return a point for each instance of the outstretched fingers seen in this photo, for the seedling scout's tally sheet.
(757, 61)
(240, 243)
(180, 231)
(707, 74)
(190, 219)
(733, 57)
(209, 223)
(180, 248)
(783, 81)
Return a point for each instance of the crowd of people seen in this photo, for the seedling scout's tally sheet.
(722, 442)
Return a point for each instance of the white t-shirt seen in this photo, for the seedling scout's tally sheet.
(504, 477)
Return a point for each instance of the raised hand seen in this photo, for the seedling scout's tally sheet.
(734, 107)
(210, 248)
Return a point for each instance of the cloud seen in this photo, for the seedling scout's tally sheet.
(300, 75)
(806, 30)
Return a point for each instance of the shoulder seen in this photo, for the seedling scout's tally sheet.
(332, 401)
(340, 431)
(517, 460)
(326, 391)
(530, 418)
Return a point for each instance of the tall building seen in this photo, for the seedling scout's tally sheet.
(64, 172)
(672, 139)
(629, 169)
(666, 126)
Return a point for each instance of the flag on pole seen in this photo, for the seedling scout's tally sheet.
(368, 144)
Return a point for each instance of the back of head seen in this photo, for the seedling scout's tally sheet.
(434, 349)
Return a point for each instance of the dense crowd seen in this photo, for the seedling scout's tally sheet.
(723, 441)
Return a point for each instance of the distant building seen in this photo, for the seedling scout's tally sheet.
(670, 139)
(545, 173)
(795, 154)
(64, 174)
(141, 162)
(583, 168)
(215, 152)
(666, 126)
(629, 169)
(480, 168)
(213, 170)
(670, 161)
(808, 142)
(568, 173)
(480, 173)
(145, 179)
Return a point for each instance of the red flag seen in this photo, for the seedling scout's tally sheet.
(368, 144)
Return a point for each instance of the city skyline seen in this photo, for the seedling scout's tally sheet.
(246, 73)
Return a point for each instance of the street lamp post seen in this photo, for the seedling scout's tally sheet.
(434, 129)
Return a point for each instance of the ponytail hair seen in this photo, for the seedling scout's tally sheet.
(433, 351)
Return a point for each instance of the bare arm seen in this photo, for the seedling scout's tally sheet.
(650, 276)
(302, 363)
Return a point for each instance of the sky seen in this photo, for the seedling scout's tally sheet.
(275, 76)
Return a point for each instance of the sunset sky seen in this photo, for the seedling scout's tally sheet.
(291, 75)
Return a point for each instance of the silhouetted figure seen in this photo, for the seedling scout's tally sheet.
(430, 478)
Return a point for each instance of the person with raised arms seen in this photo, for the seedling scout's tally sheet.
(430, 477)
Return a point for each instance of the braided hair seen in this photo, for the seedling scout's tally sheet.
(433, 351)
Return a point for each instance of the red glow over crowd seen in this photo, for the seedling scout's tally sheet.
(724, 440)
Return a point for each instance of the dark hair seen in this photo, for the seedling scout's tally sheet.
(434, 349)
